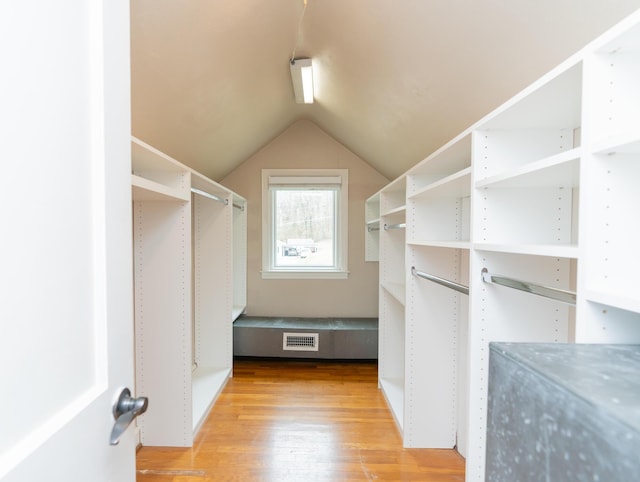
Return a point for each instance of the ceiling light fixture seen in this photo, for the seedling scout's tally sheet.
(301, 70)
(302, 79)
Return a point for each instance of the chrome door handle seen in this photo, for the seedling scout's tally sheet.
(125, 410)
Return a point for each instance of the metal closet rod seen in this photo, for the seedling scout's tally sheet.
(210, 196)
(565, 296)
(216, 198)
(369, 228)
(441, 281)
(395, 226)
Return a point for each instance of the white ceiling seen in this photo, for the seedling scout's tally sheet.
(395, 79)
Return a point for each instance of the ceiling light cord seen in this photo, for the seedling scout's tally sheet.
(293, 54)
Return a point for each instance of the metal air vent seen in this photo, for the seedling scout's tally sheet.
(300, 341)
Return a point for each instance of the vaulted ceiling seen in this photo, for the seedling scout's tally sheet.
(394, 79)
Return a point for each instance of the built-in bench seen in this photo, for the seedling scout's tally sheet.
(290, 337)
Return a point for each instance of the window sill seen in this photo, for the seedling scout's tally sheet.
(305, 274)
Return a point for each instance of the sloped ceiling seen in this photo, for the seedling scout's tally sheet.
(395, 79)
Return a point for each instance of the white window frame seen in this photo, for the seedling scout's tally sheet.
(305, 177)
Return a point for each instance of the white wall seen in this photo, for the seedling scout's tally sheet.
(304, 145)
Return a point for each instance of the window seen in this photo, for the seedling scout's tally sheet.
(304, 223)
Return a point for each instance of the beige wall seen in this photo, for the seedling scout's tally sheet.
(304, 145)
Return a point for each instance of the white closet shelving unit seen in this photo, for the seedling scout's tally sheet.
(526, 184)
(391, 327)
(609, 308)
(372, 233)
(239, 246)
(438, 214)
(184, 280)
(540, 191)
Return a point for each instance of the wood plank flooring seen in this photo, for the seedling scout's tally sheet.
(299, 420)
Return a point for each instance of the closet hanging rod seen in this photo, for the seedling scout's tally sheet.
(395, 226)
(210, 196)
(441, 281)
(238, 206)
(370, 228)
(557, 294)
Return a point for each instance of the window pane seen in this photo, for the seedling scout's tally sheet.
(304, 227)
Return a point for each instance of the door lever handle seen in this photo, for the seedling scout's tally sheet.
(125, 410)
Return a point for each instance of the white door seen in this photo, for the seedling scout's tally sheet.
(65, 241)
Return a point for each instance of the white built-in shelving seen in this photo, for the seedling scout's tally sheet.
(372, 228)
(438, 242)
(239, 248)
(188, 281)
(392, 209)
(610, 307)
(542, 190)
(526, 165)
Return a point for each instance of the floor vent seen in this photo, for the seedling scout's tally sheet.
(300, 341)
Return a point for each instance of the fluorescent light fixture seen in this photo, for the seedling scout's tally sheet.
(302, 78)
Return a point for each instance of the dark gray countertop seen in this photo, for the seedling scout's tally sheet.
(606, 376)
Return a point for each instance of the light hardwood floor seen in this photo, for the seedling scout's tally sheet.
(295, 420)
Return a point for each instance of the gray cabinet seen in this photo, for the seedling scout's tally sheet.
(565, 412)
